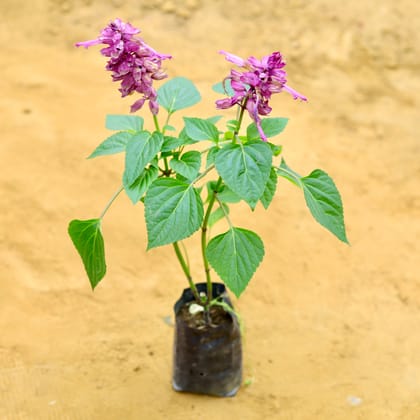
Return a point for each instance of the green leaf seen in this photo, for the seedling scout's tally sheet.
(141, 149)
(124, 122)
(178, 93)
(199, 129)
(187, 165)
(113, 144)
(218, 214)
(284, 171)
(228, 196)
(270, 189)
(215, 119)
(171, 143)
(270, 126)
(235, 255)
(87, 238)
(211, 156)
(136, 190)
(224, 88)
(169, 128)
(185, 138)
(275, 149)
(173, 211)
(245, 169)
(324, 202)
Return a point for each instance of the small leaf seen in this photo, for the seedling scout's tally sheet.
(168, 127)
(284, 171)
(87, 238)
(141, 149)
(224, 88)
(232, 125)
(199, 129)
(171, 143)
(178, 93)
(187, 165)
(275, 149)
(245, 169)
(270, 126)
(136, 190)
(235, 255)
(185, 138)
(211, 156)
(270, 189)
(173, 211)
(215, 119)
(218, 214)
(113, 144)
(228, 196)
(324, 202)
(124, 122)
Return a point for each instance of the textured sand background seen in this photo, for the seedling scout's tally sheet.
(332, 331)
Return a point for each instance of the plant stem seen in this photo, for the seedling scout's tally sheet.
(204, 241)
(155, 120)
(241, 116)
(186, 272)
(211, 167)
(116, 194)
(225, 213)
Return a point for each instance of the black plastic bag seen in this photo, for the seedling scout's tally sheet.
(207, 356)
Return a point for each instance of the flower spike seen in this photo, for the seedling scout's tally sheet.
(131, 61)
(254, 86)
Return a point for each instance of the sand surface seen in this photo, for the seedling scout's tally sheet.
(332, 332)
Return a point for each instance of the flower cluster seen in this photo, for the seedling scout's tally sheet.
(253, 87)
(131, 61)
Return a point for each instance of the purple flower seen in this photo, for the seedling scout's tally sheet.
(132, 62)
(254, 86)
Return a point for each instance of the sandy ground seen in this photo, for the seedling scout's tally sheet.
(332, 332)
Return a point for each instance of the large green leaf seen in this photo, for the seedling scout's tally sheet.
(136, 190)
(270, 126)
(113, 144)
(187, 165)
(178, 93)
(87, 238)
(124, 122)
(235, 255)
(324, 202)
(173, 211)
(140, 150)
(270, 189)
(199, 129)
(245, 169)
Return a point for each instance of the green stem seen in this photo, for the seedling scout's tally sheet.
(240, 118)
(225, 213)
(186, 271)
(211, 167)
(178, 253)
(116, 194)
(204, 241)
(155, 120)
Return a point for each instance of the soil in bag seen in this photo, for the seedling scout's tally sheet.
(207, 349)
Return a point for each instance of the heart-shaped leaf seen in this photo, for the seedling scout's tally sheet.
(173, 211)
(245, 169)
(235, 255)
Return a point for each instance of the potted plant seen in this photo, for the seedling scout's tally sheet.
(188, 179)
